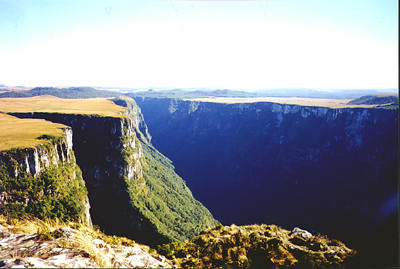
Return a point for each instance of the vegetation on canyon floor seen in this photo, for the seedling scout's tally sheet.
(163, 198)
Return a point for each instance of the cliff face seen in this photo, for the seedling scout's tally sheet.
(24, 187)
(133, 189)
(36, 159)
(109, 155)
(329, 170)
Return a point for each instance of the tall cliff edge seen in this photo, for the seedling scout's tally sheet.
(44, 181)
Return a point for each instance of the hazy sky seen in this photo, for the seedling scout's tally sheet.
(227, 44)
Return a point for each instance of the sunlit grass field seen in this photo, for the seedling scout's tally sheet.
(47, 103)
(23, 133)
(303, 101)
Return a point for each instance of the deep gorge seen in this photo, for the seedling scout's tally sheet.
(331, 171)
(119, 168)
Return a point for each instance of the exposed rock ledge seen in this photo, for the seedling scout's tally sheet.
(22, 250)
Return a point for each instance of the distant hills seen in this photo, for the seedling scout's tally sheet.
(191, 93)
(311, 93)
(72, 92)
(378, 99)
(182, 93)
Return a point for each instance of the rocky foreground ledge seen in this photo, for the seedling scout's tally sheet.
(36, 243)
(39, 244)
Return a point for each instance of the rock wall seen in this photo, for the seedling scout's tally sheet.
(35, 161)
(109, 155)
(332, 171)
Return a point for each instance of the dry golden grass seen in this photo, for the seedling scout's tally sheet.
(47, 103)
(81, 240)
(31, 225)
(320, 102)
(22, 133)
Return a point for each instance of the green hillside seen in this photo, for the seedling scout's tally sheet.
(161, 195)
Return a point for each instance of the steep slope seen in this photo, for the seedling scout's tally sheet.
(133, 189)
(329, 170)
(42, 179)
(161, 194)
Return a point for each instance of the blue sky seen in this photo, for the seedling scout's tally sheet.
(223, 44)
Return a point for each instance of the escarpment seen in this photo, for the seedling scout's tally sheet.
(34, 160)
(43, 181)
(329, 170)
(133, 189)
(108, 155)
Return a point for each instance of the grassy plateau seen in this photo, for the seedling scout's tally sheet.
(23, 133)
(51, 104)
(302, 101)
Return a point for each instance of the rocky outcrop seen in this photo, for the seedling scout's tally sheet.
(328, 170)
(66, 247)
(302, 233)
(259, 246)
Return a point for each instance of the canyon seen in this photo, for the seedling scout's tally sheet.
(118, 166)
(330, 170)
